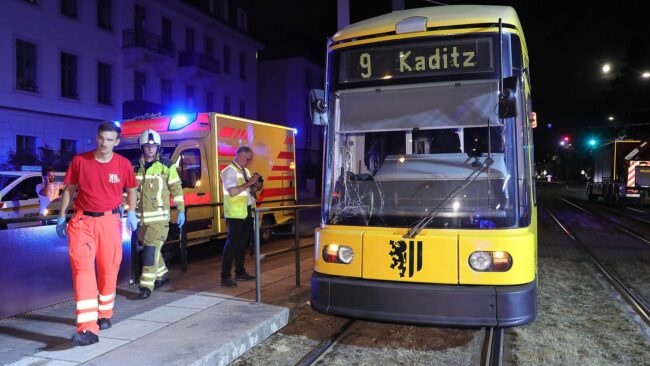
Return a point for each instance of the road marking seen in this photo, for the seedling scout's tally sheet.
(636, 210)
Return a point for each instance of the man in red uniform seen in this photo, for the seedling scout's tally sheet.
(95, 230)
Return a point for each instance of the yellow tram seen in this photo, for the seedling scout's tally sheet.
(429, 208)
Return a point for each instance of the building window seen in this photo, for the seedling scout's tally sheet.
(140, 85)
(25, 145)
(166, 32)
(242, 108)
(104, 15)
(68, 75)
(68, 147)
(25, 65)
(226, 104)
(165, 92)
(189, 40)
(242, 19)
(209, 48)
(104, 83)
(209, 101)
(189, 98)
(69, 8)
(226, 59)
(242, 66)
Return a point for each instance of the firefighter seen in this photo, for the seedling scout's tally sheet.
(157, 179)
(95, 229)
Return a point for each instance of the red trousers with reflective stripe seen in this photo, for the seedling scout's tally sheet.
(94, 239)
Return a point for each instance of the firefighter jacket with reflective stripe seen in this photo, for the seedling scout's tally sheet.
(155, 185)
(235, 207)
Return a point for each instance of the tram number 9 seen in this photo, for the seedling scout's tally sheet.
(364, 62)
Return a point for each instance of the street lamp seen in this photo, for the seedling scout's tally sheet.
(646, 75)
(611, 118)
(606, 68)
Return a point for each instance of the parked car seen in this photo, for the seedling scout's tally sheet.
(18, 197)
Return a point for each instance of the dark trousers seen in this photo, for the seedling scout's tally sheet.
(239, 236)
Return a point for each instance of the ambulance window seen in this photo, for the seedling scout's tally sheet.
(24, 190)
(189, 165)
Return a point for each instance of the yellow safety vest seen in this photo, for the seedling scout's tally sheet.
(235, 207)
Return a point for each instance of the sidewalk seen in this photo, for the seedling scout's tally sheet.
(192, 321)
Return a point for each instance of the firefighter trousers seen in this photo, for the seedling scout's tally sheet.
(153, 236)
(94, 239)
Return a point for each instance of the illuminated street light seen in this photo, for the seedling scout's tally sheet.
(562, 143)
(606, 68)
(646, 75)
(611, 118)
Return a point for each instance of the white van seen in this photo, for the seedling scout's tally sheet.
(18, 197)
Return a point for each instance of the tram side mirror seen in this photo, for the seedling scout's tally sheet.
(508, 99)
(318, 107)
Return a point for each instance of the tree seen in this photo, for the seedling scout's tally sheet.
(46, 157)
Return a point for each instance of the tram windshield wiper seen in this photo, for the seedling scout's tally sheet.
(422, 223)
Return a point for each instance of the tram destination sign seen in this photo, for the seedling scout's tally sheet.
(416, 60)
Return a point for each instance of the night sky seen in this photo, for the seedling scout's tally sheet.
(568, 43)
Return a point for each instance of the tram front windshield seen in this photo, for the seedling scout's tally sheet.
(397, 153)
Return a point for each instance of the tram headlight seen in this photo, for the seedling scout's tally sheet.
(497, 261)
(334, 253)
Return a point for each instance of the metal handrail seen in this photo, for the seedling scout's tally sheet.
(256, 236)
(183, 233)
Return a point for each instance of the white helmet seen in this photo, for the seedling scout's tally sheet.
(149, 137)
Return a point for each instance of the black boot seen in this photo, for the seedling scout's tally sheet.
(160, 283)
(84, 338)
(144, 293)
(104, 323)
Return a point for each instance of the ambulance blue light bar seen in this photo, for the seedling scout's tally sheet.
(181, 120)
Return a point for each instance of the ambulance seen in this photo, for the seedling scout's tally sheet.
(201, 145)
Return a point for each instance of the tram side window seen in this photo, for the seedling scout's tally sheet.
(379, 145)
(189, 164)
(442, 141)
(477, 141)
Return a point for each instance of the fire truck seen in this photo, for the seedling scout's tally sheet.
(621, 172)
(201, 145)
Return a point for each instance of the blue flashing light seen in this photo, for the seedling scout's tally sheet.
(295, 131)
(117, 123)
(550, 125)
(181, 120)
(592, 142)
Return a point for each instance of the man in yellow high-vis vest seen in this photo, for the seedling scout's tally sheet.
(157, 180)
(239, 194)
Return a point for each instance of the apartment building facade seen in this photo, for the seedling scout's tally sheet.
(71, 64)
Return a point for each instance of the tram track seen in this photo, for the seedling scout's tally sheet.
(616, 225)
(626, 292)
(325, 346)
(492, 350)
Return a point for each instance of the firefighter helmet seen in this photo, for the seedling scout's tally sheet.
(149, 137)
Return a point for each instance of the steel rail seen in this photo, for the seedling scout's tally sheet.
(630, 297)
(616, 225)
(325, 346)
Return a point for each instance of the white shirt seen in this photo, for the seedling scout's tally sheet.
(229, 178)
(54, 194)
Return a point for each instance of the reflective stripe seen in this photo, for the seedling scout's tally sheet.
(162, 270)
(87, 317)
(86, 304)
(174, 180)
(148, 275)
(159, 193)
(179, 198)
(105, 298)
(107, 307)
(150, 282)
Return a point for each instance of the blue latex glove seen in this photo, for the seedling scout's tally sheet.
(180, 220)
(60, 227)
(131, 221)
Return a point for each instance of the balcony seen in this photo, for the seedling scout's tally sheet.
(193, 61)
(144, 47)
